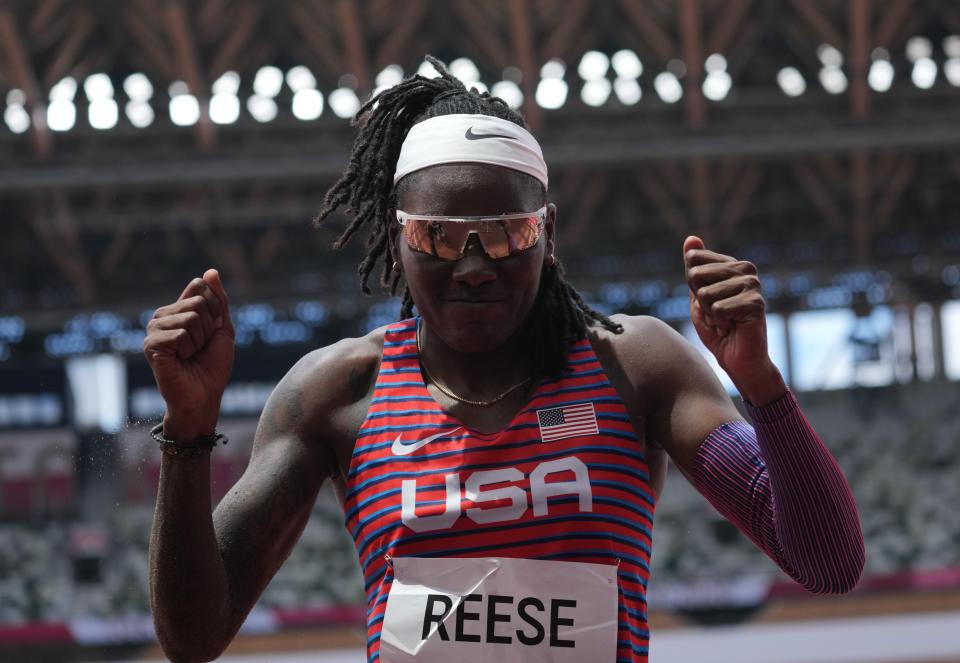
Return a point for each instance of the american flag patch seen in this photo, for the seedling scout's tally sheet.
(557, 423)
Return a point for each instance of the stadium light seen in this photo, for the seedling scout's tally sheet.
(390, 76)
(61, 115)
(951, 46)
(224, 104)
(17, 118)
(178, 88)
(299, 78)
(508, 91)
(552, 89)
(668, 87)
(593, 66)
(951, 68)
(138, 87)
(479, 86)
(829, 56)
(791, 81)
(833, 80)
(715, 63)
(427, 70)
(264, 109)
(918, 47)
(268, 81)
(308, 104)
(224, 108)
(184, 110)
(628, 90)
(103, 113)
(551, 93)
(228, 83)
(677, 67)
(717, 85)
(344, 102)
(831, 76)
(924, 73)
(465, 70)
(98, 86)
(626, 63)
(16, 97)
(140, 113)
(513, 74)
(554, 68)
(596, 92)
(64, 90)
(880, 76)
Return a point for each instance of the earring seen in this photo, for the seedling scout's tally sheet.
(551, 260)
(396, 267)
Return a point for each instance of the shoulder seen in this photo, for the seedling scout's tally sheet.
(338, 374)
(320, 404)
(648, 358)
(322, 393)
(645, 342)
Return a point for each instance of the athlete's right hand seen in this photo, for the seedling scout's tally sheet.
(189, 346)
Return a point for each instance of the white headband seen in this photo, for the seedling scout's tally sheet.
(474, 139)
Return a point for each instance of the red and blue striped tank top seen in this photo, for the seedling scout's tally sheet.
(400, 501)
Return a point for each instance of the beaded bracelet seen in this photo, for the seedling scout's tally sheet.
(198, 447)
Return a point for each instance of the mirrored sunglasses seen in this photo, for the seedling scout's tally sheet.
(446, 237)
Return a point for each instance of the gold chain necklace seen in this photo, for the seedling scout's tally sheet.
(448, 392)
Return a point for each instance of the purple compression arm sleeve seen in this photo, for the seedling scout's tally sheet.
(779, 484)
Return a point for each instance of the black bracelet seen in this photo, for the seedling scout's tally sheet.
(198, 447)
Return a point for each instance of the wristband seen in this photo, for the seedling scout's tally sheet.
(200, 446)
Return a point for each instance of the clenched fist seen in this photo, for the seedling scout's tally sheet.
(189, 345)
(729, 313)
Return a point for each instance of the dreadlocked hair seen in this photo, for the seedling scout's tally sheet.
(558, 317)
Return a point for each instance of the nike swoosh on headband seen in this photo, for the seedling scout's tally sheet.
(469, 135)
(400, 448)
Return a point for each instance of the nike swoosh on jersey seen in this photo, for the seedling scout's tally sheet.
(469, 135)
(400, 448)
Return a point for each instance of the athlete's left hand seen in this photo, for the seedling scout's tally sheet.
(728, 311)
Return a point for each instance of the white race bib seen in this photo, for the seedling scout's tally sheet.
(500, 609)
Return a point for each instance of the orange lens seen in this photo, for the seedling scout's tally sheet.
(447, 239)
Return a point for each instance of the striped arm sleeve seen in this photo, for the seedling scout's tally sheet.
(778, 483)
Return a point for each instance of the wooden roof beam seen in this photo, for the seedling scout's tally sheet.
(522, 38)
(396, 43)
(69, 49)
(354, 43)
(822, 26)
(237, 41)
(692, 43)
(572, 21)
(483, 32)
(859, 56)
(188, 61)
(895, 16)
(654, 36)
(24, 77)
(728, 26)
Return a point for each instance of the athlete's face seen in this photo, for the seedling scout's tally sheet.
(474, 304)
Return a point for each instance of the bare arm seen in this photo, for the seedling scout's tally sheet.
(208, 569)
(206, 572)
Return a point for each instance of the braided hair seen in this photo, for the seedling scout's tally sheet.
(558, 317)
